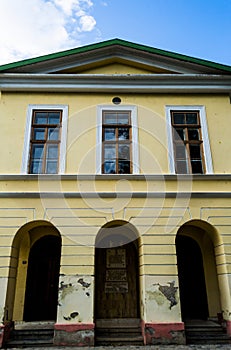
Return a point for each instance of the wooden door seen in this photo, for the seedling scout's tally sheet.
(117, 288)
(42, 280)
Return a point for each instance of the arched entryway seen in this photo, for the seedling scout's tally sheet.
(34, 270)
(199, 248)
(42, 279)
(197, 271)
(193, 295)
(117, 281)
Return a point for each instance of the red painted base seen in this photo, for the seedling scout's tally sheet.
(163, 333)
(1, 335)
(228, 327)
(79, 334)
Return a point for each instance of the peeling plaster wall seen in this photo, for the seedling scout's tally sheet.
(3, 288)
(75, 302)
(162, 299)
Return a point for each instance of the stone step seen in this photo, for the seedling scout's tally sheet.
(118, 332)
(24, 335)
(117, 323)
(205, 333)
(32, 333)
(15, 343)
(107, 341)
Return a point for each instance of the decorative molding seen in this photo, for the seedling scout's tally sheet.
(142, 83)
(115, 177)
(57, 195)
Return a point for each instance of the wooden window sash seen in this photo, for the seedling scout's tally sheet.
(116, 141)
(186, 142)
(45, 141)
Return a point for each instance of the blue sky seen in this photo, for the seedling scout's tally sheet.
(198, 28)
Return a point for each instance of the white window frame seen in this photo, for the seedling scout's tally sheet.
(134, 126)
(204, 132)
(63, 141)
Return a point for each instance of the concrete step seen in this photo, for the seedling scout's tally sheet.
(118, 332)
(31, 334)
(29, 343)
(205, 332)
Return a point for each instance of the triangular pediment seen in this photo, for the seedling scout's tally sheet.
(115, 57)
(116, 65)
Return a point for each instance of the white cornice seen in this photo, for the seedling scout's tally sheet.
(144, 83)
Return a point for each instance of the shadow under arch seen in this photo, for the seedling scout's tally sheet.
(196, 242)
(116, 233)
(117, 272)
(32, 234)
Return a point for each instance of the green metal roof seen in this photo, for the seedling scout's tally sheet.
(108, 43)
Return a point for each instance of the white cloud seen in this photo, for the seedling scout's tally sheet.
(32, 28)
(87, 23)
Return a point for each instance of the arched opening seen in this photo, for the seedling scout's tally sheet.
(116, 280)
(36, 241)
(193, 296)
(197, 271)
(42, 279)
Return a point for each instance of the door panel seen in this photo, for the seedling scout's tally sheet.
(42, 280)
(117, 289)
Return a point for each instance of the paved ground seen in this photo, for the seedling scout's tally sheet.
(148, 347)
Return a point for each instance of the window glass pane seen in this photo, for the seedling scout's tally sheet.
(36, 167)
(191, 118)
(110, 118)
(53, 134)
(109, 151)
(193, 134)
(195, 151)
(181, 151)
(178, 118)
(37, 151)
(124, 167)
(197, 167)
(123, 133)
(181, 167)
(40, 118)
(124, 152)
(51, 167)
(109, 167)
(52, 151)
(39, 134)
(179, 134)
(109, 134)
(54, 117)
(123, 118)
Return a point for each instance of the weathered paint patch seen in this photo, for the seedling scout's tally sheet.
(1, 335)
(74, 303)
(72, 315)
(83, 283)
(164, 333)
(169, 292)
(157, 296)
(161, 302)
(74, 335)
(228, 327)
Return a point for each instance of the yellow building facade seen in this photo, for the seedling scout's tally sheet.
(115, 208)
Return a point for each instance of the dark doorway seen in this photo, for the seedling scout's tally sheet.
(117, 287)
(193, 294)
(42, 279)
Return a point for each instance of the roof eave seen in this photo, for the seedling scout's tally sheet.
(121, 83)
